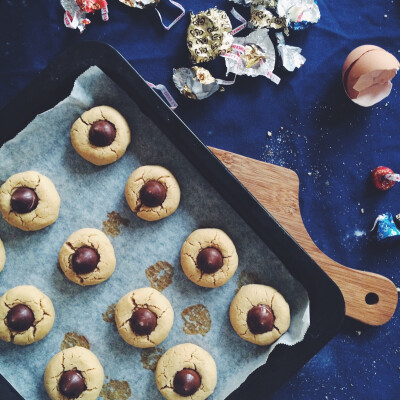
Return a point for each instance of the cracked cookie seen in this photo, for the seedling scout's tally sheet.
(185, 371)
(2, 255)
(144, 317)
(209, 258)
(29, 201)
(259, 314)
(87, 257)
(26, 315)
(101, 135)
(152, 192)
(74, 373)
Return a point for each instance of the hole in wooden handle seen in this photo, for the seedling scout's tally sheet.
(371, 298)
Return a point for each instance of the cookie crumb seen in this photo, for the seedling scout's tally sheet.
(358, 333)
(309, 173)
(269, 133)
(362, 211)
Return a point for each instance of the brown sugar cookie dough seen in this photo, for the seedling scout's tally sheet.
(74, 373)
(87, 257)
(26, 315)
(101, 135)
(144, 317)
(186, 371)
(259, 314)
(29, 201)
(152, 192)
(209, 258)
(2, 255)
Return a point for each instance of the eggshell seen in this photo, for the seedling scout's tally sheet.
(367, 73)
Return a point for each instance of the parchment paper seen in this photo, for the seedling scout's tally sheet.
(91, 195)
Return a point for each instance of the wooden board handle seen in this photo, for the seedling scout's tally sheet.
(370, 298)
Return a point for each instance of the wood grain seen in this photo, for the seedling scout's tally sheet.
(277, 189)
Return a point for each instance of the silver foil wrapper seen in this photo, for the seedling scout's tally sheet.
(140, 3)
(247, 3)
(298, 13)
(260, 40)
(290, 55)
(195, 83)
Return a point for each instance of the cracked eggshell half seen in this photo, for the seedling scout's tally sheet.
(367, 73)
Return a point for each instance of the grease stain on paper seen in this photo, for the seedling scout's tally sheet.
(112, 225)
(109, 315)
(115, 390)
(149, 357)
(160, 275)
(196, 320)
(72, 339)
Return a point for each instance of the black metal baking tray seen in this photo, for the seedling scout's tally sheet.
(326, 301)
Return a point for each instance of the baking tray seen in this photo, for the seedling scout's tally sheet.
(326, 301)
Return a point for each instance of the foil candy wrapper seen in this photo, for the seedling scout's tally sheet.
(209, 35)
(140, 3)
(290, 55)
(75, 12)
(252, 55)
(299, 13)
(195, 83)
(261, 17)
(386, 228)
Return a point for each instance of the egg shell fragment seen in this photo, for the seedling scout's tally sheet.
(367, 74)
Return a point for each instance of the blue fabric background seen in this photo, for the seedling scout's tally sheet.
(331, 143)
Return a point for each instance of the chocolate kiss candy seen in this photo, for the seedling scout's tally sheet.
(20, 318)
(210, 260)
(24, 200)
(71, 384)
(143, 321)
(260, 319)
(187, 382)
(153, 194)
(85, 260)
(102, 133)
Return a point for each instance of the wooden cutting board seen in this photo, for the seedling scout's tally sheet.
(277, 189)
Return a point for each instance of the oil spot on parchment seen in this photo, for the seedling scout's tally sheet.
(72, 339)
(111, 226)
(160, 275)
(109, 315)
(196, 320)
(246, 278)
(149, 357)
(115, 390)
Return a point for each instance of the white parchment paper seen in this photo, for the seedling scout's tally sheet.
(87, 194)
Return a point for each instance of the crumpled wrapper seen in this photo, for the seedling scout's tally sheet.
(259, 57)
(261, 17)
(195, 83)
(209, 35)
(299, 13)
(290, 55)
(75, 12)
(140, 3)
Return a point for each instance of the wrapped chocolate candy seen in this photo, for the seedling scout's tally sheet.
(384, 178)
(252, 55)
(75, 12)
(195, 83)
(290, 55)
(209, 35)
(386, 228)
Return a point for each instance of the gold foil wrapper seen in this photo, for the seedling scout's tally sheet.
(260, 17)
(209, 35)
(253, 55)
